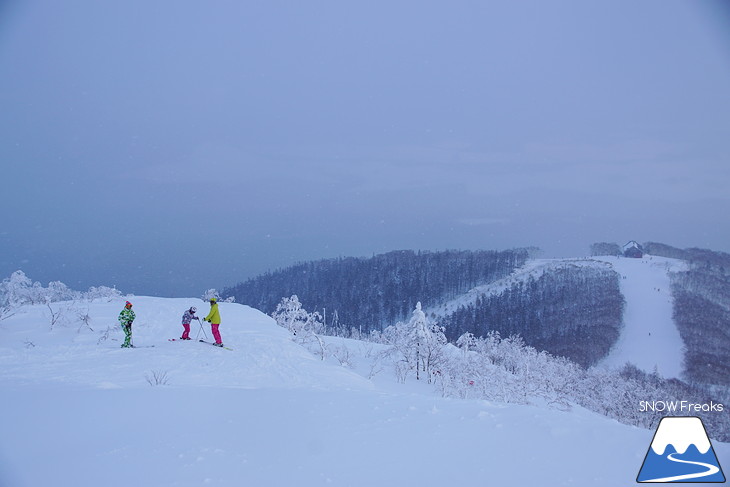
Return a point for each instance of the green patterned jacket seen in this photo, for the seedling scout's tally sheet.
(126, 316)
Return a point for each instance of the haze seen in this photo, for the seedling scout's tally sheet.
(167, 147)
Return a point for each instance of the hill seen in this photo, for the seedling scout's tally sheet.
(568, 307)
(266, 413)
(667, 311)
(369, 294)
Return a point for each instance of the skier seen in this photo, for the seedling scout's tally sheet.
(214, 318)
(188, 316)
(126, 317)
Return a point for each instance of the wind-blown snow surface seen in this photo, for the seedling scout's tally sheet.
(77, 410)
(650, 337)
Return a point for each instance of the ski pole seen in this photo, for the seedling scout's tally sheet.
(201, 329)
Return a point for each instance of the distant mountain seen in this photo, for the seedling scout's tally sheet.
(569, 307)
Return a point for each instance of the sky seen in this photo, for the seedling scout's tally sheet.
(168, 147)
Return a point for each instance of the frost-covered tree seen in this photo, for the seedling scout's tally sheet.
(304, 326)
(419, 343)
(430, 341)
(18, 290)
(102, 292)
(210, 294)
(507, 370)
(58, 291)
(467, 342)
(605, 248)
(213, 293)
(291, 315)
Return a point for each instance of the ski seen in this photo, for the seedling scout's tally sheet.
(176, 340)
(211, 343)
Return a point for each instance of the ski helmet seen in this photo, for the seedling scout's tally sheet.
(193, 309)
(128, 305)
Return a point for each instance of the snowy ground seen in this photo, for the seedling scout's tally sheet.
(80, 411)
(649, 337)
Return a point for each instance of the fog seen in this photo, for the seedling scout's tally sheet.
(169, 147)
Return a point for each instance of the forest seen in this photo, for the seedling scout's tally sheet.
(571, 311)
(574, 311)
(702, 313)
(369, 294)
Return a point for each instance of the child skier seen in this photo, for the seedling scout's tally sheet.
(188, 316)
(126, 317)
(214, 318)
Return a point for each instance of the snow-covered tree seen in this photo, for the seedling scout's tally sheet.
(102, 292)
(467, 342)
(17, 290)
(210, 294)
(58, 291)
(304, 326)
(419, 343)
(291, 315)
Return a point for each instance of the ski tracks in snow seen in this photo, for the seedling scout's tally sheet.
(649, 338)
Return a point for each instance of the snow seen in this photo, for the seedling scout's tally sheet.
(80, 411)
(533, 268)
(649, 338)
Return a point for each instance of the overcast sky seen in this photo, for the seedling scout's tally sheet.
(170, 146)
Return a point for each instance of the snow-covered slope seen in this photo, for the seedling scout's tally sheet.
(649, 337)
(79, 411)
(32, 354)
(532, 269)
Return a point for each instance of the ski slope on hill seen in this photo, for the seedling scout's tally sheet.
(649, 338)
(532, 269)
(80, 411)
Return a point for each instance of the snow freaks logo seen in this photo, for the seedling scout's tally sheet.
(681, 452)
(679, 407)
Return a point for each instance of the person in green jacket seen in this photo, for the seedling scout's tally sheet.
(126, 317)
(214, 318)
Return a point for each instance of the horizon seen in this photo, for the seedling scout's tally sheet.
(538, 254)
(168, 151)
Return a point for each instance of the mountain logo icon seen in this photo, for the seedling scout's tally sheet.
(681, 452)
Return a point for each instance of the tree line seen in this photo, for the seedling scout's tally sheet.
(701, 311)
(373, 293)
(702, 314)
(502, 369)
(572, 311)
